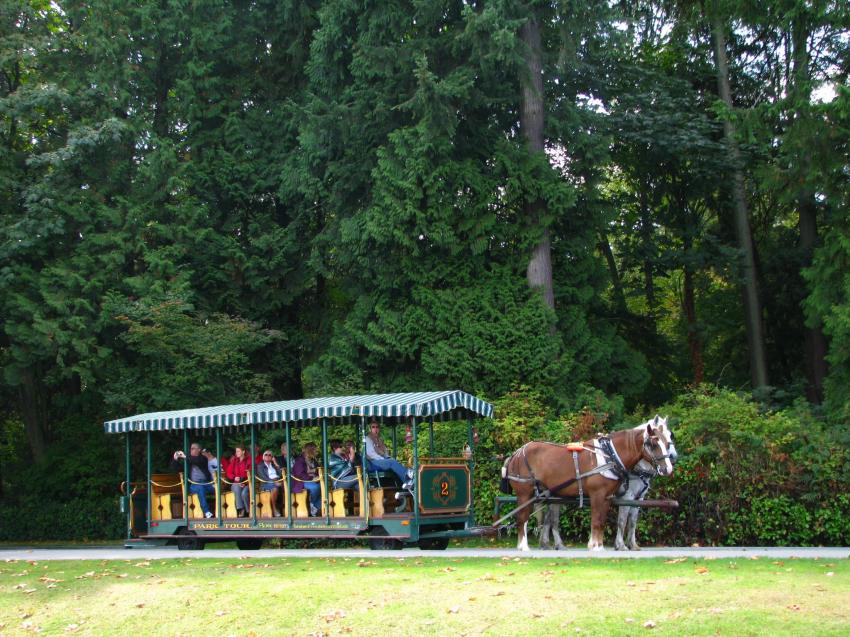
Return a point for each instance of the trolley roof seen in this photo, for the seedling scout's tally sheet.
(387, 407)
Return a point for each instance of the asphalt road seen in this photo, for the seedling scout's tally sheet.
(119, 553)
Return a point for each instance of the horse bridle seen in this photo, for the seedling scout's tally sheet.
(653, 459)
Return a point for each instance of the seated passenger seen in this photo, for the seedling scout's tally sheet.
(237, 473)
(212, 461)
(200, 478)
(304, 469)
(356, 458)
(269, 472)
(283, 458)
(341, 467)
(380, 460)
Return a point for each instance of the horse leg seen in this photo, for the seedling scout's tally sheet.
(544, 526)
(622, 520)
(556, 527)
(633, 518)
(599, 506)
(522, 524)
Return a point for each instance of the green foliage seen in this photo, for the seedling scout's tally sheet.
(751, 476)
(75, 519)
(177, 359)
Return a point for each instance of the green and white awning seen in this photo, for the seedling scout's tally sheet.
(387, 407)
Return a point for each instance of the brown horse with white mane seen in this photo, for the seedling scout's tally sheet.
(545, 468)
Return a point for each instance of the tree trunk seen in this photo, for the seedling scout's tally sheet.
(752, 303)
(646, 232)
(814, 341)
(539, 272)
(694, 341)
(32, 403)
(616, 281)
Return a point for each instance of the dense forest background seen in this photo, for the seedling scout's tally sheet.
(605, 207)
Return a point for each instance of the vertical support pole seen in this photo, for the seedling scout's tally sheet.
(431, 436)
(218, 473)
(417, 488)
(254, 474)
(326, 503)
(149, 462)
(364, 503)
(471, 462)
(395, 440)
(288, 469)
(186, 476)
(129, 487)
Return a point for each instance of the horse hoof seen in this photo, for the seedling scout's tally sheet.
(560, 547)
(619, 547)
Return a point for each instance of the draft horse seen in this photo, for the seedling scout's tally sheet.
(538, 470)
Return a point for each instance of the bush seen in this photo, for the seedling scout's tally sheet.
(78, 519)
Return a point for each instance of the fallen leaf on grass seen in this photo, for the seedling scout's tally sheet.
(220, 613)
(70, 628)
(498, 593)
(630, 620)
(701, 570)
(793, 607)
(333, 616)
(454, 610)
(448, 569)
(676, 561)
(140, 605)
(649, 624)
(830, 574)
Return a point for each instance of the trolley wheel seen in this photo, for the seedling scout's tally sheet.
(377, 541)
(433, 543)
(249, 544)
(187, 541)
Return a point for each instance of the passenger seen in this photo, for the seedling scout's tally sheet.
(258, 457)
(304, 468)
(237, 473)
(340, 466)
(200, 478)
(356, 458)
(226, 457)
(212, 461)
(269, 471)
(283, 458)
(380, 460)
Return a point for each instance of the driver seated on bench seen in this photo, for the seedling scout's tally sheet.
(379, 458)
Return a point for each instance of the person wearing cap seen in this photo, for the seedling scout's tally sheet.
(380, 459)
(270, 473)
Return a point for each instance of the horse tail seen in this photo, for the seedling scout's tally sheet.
(504, 483)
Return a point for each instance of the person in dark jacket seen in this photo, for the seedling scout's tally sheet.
(200, 478)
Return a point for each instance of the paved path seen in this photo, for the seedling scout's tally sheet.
(119, 553)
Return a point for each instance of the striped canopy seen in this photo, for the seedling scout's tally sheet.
(387, 407)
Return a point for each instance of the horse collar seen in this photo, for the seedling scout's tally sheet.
(611, 453)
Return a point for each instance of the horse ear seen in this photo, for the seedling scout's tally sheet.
(655, 422)
(649, 431)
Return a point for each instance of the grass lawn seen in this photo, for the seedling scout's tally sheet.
(424, 596)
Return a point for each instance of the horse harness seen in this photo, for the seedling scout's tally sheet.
(604, 445)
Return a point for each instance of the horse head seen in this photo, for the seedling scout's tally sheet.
(658, 446)
(666, 434)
